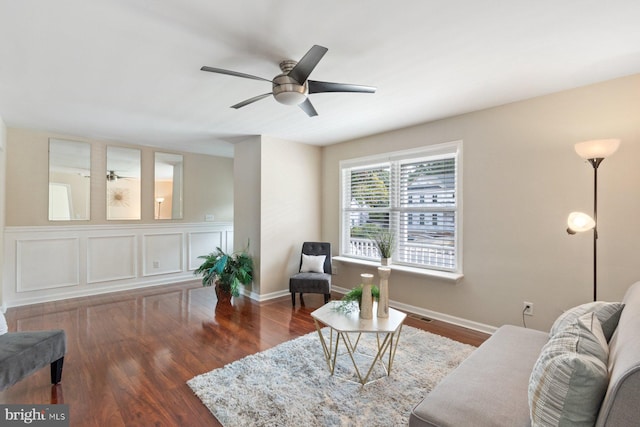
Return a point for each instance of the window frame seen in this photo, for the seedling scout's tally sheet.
(429, 153)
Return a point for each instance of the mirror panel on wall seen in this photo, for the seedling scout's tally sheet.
(69, 180)
(123, 183)
(168, 186)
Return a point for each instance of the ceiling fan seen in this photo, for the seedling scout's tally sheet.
(292, 86)
(113, 176)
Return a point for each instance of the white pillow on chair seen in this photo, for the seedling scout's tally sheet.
(312, 263)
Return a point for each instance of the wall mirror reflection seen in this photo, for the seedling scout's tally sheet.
(123, 183)
(168, 186)
(69, 180)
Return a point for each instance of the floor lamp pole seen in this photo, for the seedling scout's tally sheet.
(595, 163)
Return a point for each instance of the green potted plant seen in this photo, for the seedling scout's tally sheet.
(227, 271)
(355, 296)
(385, 241)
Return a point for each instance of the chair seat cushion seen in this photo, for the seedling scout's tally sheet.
(316, 283)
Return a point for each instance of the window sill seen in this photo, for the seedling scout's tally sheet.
(445, 275)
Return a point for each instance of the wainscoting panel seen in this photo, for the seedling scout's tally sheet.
(57, 262)
(111, 258)
(162, 253)
(47, 263)
(203, 243)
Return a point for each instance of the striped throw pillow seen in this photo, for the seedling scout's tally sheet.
(608, 314)
(570, 376)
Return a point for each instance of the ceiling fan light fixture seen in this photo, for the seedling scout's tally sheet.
(290, 98)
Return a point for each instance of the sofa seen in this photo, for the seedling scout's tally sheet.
(500, 383)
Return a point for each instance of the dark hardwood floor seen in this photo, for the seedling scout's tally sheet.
(129, 354)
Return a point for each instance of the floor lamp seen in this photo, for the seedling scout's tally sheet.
(594, 152)
(159, 200)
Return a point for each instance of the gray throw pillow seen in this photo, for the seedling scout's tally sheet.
(569, 379)
(608, 314)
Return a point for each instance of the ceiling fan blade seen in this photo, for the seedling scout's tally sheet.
(305, 66)
(319, 87)
(250, 100)
(307, 107)
(232, 73)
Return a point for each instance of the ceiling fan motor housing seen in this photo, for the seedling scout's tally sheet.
(286, 90)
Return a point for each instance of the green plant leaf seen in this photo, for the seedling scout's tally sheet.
(228, 270)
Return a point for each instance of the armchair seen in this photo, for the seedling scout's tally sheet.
(315, 271)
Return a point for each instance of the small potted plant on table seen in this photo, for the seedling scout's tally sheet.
(348, 301)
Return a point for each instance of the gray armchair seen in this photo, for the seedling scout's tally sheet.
(316, 281)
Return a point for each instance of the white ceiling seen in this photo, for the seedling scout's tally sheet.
(129, 70)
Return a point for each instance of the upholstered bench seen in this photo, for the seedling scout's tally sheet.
(23, 353)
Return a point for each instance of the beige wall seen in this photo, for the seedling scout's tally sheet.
(521, 179)
(3, 144)
(291, 208)
(208, 182)
(277, 206)
(247, 201)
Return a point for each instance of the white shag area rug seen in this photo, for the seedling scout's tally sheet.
(290, 384)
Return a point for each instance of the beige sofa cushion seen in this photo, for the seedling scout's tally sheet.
(489, 388)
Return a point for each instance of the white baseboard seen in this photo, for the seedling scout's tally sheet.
(423, 312)
(259, 297)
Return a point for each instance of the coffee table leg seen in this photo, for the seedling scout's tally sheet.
(350, 350)
(387, 344)
(326, 350)
(393, 348)
(381, 350)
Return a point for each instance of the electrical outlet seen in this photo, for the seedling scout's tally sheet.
(156, 264)
(528, 308)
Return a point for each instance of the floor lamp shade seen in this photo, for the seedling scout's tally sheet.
(597, 148)
(579, 222)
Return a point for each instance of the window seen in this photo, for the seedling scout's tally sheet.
(414, 194)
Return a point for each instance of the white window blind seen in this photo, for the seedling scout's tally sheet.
(415, 195)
